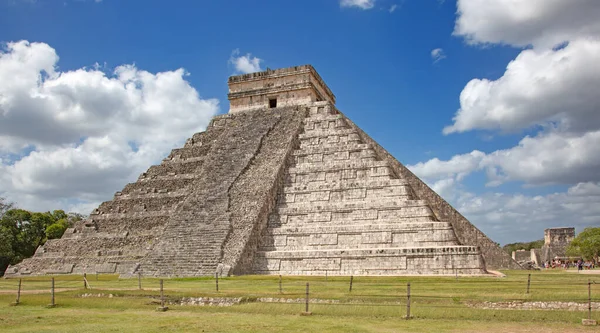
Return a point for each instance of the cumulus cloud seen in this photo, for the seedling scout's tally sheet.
(511, 217)
(458, 166)
(541, 23)
(437, 55)
(77, 136)
(539, 87)
(245, 63)
(518, 217)
(549, 89)
(362, 4)
(548, 158)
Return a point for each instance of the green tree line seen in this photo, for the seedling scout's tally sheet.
(586, 245)
(509, 248)
(22, 231)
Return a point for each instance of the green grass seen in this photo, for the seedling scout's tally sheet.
(438, 304)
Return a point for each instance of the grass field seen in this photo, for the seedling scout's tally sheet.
(376, 304)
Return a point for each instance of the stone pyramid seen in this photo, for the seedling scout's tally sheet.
(282, 184)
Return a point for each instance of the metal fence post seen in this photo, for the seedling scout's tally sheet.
(280, 284)
(351, 279)
(528, 282)
(139, 280)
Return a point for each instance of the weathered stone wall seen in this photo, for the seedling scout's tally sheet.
(215, 222)
(300, 85)
(341, 212)
(466, 232)
(521, 255)
(254, 194)
(119, 233)
(556, 241)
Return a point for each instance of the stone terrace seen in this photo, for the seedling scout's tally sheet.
(342, 211)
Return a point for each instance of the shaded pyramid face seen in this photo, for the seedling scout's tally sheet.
(283, 184)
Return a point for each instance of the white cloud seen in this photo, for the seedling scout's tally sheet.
(362, 4)
(518, 217)
(539, 87)
(511, 217)
(86, 132)
(549, 158)
(458, 166)
(585, 189)
(245, 63)
(393, 8)
(542, 23)
(548, 89)
(437, 55)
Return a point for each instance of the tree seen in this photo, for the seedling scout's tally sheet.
(509, 248)
(73, 218)
(586, 244)
(21, 231)
(56, 230)
(5, 206)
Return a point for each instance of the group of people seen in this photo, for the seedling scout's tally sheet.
(565, 264)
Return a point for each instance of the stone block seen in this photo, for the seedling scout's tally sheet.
(323, 239)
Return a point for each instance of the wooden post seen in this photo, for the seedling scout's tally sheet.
(52, 301)
(162, 294)
(162, 307)
(408, 300)
(85, 285)
(139, 280)
(18, 293)
(528, 282)
(217, 280)
(351, 279)
(589, 299)
(306, 308)
(280, 284)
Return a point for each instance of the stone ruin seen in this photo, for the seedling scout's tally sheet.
(555, 245)
(282, 184)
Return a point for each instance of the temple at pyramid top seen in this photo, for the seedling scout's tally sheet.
(285, 184)
(298, 85)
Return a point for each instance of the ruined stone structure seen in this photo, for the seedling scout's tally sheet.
(282, 184)
(556, 241)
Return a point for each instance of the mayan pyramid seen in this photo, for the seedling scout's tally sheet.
(282, 184)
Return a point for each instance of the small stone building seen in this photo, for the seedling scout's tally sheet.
(556, 241)
(284, 183)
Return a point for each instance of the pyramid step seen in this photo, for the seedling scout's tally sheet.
(399, 227)
(354, 165)
(378, 182)
(320, 133)
(337, 206)
(340, 147)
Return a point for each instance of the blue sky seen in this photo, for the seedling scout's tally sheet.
(518, 158)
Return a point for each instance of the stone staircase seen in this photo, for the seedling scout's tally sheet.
(342, 211)
(193, 240)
